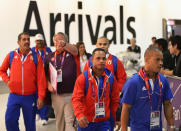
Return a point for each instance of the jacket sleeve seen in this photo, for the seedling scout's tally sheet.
(3, 69)
(78, 97)
(114, 98)
(41, 79)
(120, 75)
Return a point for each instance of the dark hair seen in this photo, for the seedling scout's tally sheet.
(153, 38)
(176, 40)
(97, 49)
(162, 42)
(149, 51)
(23, 33)
(78, 44)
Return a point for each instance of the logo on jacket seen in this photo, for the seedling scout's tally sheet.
(109, 62)
(144, 88)
(16, 57)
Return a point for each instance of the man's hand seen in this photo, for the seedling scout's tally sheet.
(39, 103)
(50, 88)
(83, 122)
(8, 83)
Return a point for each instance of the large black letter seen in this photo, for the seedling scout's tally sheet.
(92, 35)
(52, 25)
(130, 29)
(112, 29)
(80, 30)
(121, 26)
(67, 23)
(32, 32)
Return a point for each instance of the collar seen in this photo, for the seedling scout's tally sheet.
(107, 55)
(92, 74)
(146, 78)
(19, 52)
(43, 49)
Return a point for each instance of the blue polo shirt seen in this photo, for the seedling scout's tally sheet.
(136, 94)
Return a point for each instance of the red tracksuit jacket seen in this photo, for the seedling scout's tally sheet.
(25, 77)
(85, 105)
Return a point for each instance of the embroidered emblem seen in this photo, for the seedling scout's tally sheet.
(109, 62)
(144, 88)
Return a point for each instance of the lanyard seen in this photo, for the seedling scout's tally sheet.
(146, 78)
(43, 53)
(103, 89)
(23, 57)
(61, 59)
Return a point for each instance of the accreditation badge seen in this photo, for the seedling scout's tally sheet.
(99, 109)
(59, 75)
(155, 119)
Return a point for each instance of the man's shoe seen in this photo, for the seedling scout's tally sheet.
(37, 117)
(44, 122)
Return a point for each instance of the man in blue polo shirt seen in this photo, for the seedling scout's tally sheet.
(144, 94)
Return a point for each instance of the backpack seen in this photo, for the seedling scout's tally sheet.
(114, 61)
(110, 79)
(35, 60)
(47, 49)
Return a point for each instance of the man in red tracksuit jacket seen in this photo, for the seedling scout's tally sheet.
(119, 72)
(113, 64)
(93, 109)
(25, 77)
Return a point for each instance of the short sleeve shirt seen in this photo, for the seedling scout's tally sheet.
(135, 93)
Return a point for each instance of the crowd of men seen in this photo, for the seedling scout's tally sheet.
(78, 85)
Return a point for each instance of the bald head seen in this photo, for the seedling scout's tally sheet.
(103, 43)
(103, 38)
(153, 59)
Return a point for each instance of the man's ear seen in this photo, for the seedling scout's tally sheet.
(18, 42)
(146, 59)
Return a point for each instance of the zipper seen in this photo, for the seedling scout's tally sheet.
(22, 80)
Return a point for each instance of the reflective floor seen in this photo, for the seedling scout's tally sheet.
(4, 93)
(39, 127)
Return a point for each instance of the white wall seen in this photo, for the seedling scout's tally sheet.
(148, 20)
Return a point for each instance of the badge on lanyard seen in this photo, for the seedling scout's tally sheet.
(59, 75)
(99, 109)
(154, 119)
